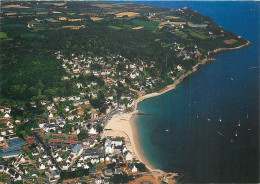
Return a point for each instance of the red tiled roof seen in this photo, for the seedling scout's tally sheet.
(59, 135)
(55, 140)
(26, 147)
(31, 140)
(71, 142)
(73, 136)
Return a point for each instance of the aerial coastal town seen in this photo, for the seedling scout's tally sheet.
(57, 117)
(69, 135)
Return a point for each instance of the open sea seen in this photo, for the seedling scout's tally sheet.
(195, 126)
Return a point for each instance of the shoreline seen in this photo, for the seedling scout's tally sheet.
(248, 43)
(138, 145)
(179, 80)
(131, 128)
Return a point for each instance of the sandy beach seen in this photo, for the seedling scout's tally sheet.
(125, 124)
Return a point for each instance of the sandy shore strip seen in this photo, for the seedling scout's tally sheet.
(125, 125)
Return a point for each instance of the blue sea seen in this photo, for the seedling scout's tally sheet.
(208, 128)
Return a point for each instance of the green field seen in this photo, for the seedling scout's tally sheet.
(115, 27)
(180, 33)
(13, 25)
(128, 26)
(3, 35)
(32, 35)
(147, 25)
(36, 29)
(197, 34)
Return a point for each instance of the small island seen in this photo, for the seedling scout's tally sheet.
(72, 75)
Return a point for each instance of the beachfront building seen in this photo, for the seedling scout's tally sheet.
(128, 156)
(132, 168)
(109, 147)
(117, 142)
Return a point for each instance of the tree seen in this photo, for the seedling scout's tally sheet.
(18, 182)
(99, 128)
(141, 167)
(87, 115)
(67, 128)
(74, 174)
(83, 134)
(120, 178)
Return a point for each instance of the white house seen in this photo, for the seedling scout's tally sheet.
(50, 115)
(128, 156)
(3, 132)
(92, 131)
(107, 158)
(67, 109)
(179, 68)
(42, 166)
(86, 166)
(117, 142)
(59, 159)
(49, 107)
(49, 162)
(53, 167)
(132, 76)
(17, 177)
(6, 116)
(109, 147)
(133, 168)
(21, 159)
(65, 166)
(79, 164)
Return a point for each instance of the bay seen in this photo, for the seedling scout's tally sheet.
(194, 128)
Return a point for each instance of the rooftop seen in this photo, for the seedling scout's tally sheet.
(76, 148)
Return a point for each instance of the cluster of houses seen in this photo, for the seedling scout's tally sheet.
(7, 125)
(14, 174)
(112, 69)
(20, 168)
(67, 151)
(108, 72)
(44, 163)
(113, 151)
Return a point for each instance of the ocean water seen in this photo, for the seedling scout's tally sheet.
(194, 128)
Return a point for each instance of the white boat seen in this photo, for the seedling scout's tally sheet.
(236, 133)
(239, 123)
(220, 120)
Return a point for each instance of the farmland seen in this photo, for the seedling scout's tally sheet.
(128, 14)
(146, 25)
(3, 35)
